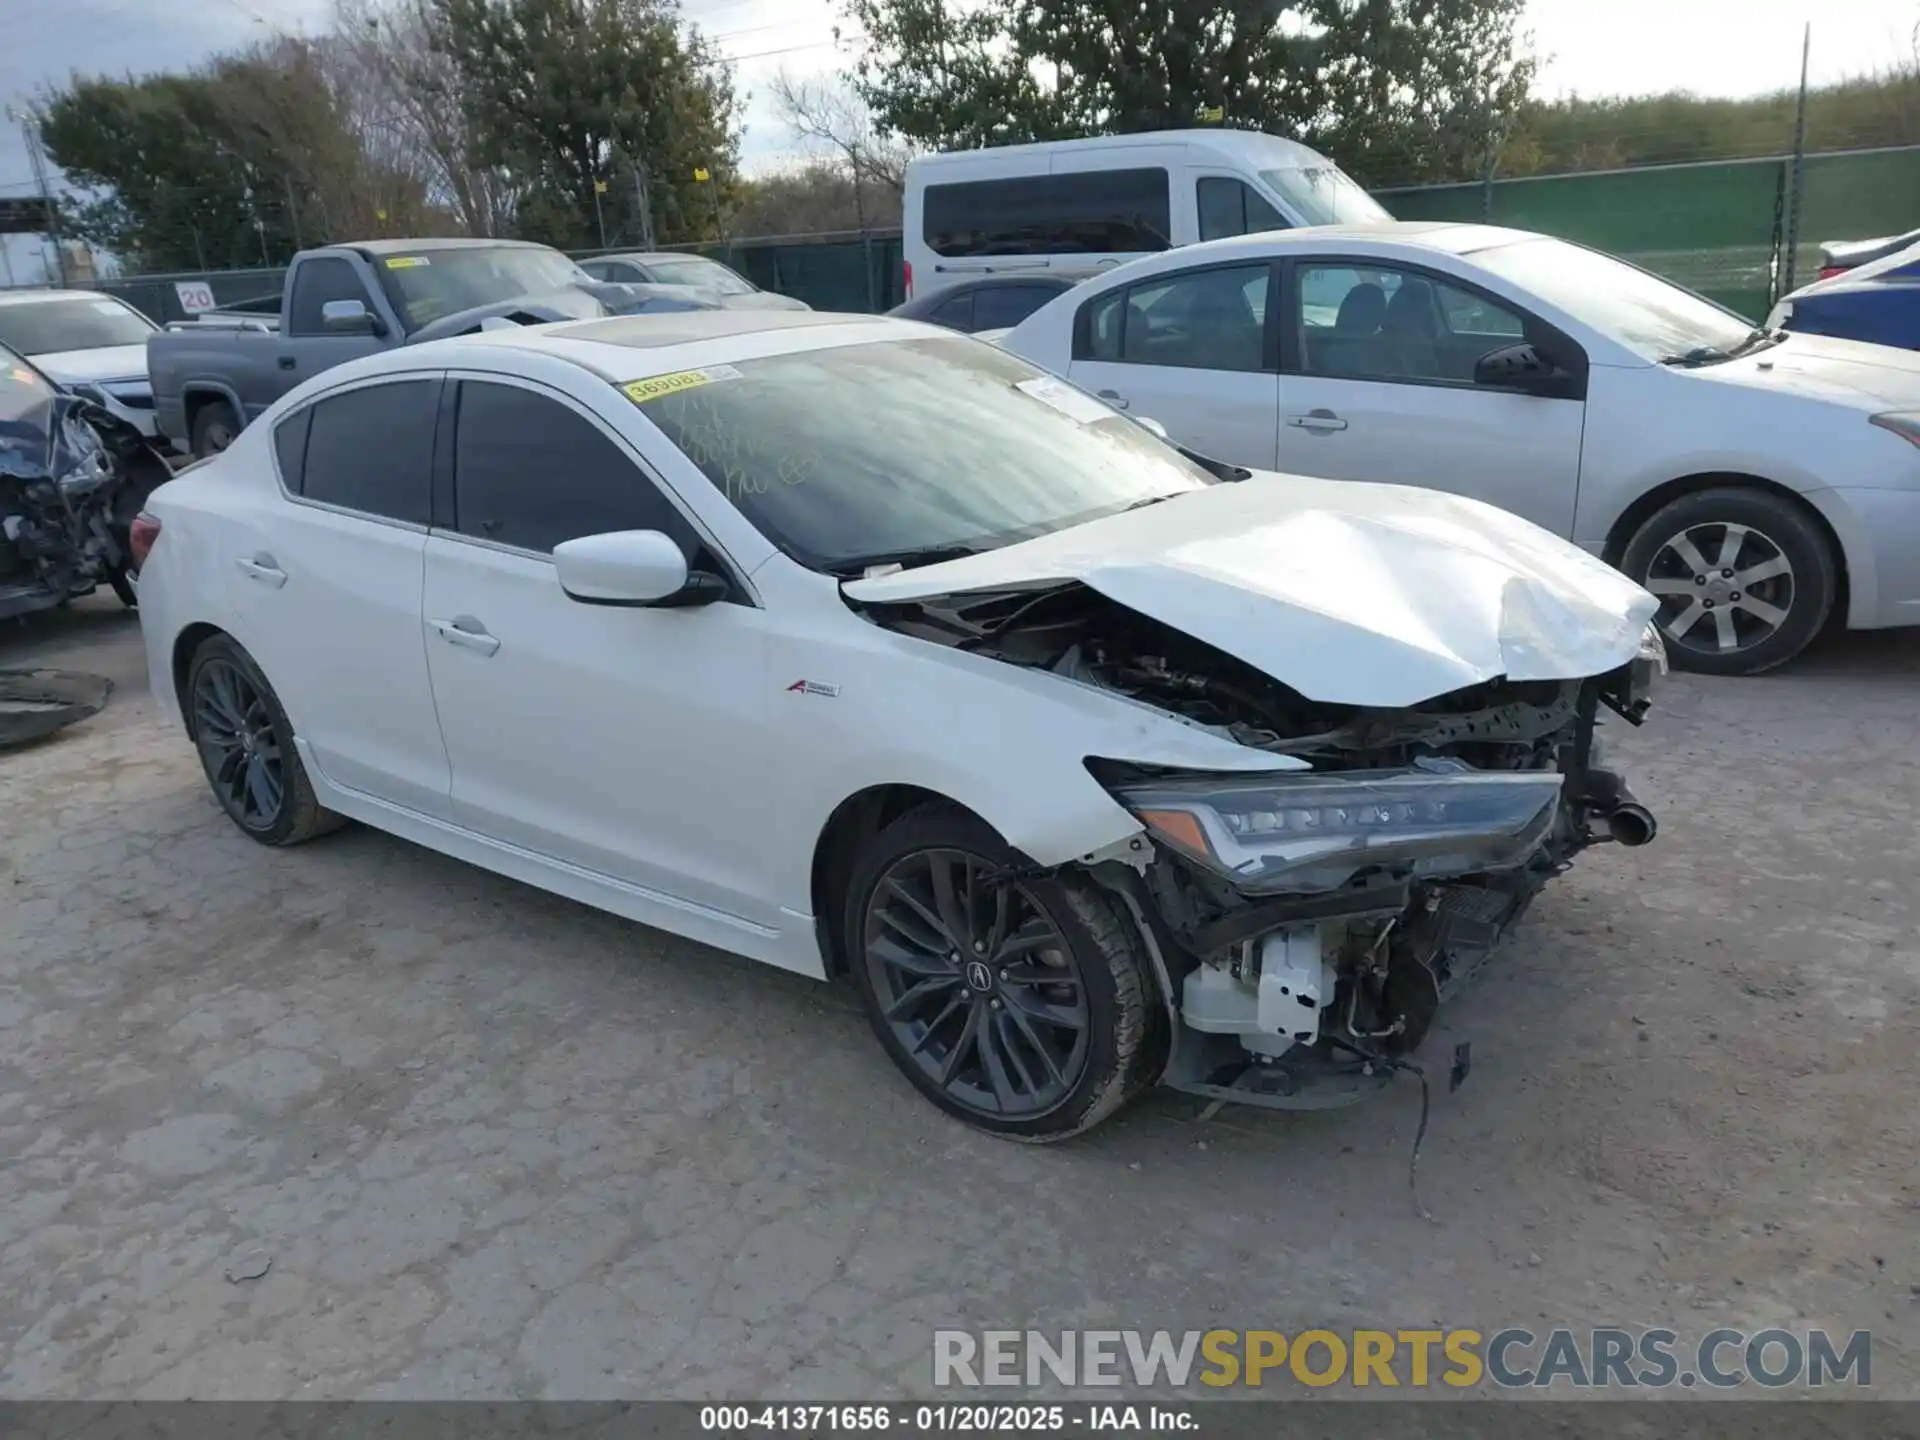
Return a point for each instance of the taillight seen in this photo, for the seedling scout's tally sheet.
(140, 537)
(1827, 272)
(906, 277)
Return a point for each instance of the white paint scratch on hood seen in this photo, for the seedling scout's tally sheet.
(1353, 594)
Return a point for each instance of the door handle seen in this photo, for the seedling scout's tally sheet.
(262, 567)
(466, 632)
(1323, 421)
(1113, 398)
(287, 362)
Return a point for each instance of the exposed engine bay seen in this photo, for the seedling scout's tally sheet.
(72, 478)
(1308, 925)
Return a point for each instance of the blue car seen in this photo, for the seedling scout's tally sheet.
(1878, 301)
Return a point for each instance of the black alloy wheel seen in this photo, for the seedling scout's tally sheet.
(239, 745)
(246, 747)
(980, 987)
(1021, 1002)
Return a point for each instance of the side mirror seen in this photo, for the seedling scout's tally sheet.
(632, 568)
(349, 317)
(1518, 367)
(1147, 422)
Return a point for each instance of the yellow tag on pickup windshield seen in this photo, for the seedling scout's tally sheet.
(405, 262)
(655, 386)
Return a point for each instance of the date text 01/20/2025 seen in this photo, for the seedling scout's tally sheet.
(943, 1419)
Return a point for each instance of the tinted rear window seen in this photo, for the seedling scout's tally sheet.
(371, 450)
(1089, 212)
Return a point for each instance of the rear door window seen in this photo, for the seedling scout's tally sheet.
(371, 450)
(1211, 319)
(1087, 212)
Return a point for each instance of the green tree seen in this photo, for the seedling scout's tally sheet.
(573, 95)
(237, 163)
(1397, 89)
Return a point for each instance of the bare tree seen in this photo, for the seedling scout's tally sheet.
(823, 114)
(408, 98)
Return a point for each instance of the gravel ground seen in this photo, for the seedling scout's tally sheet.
(485, 1142)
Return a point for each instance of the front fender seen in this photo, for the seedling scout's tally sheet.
(1009, 744)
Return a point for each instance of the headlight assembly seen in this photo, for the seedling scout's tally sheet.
(1315, 831)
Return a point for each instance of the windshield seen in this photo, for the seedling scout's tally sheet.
(1651, 317)
(1324, 195)
(46, 327)
(692, 270)
(853, 455)
(439, 283)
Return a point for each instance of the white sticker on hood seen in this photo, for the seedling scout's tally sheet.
(1073, 403)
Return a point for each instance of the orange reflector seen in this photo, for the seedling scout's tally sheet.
(1178, 826)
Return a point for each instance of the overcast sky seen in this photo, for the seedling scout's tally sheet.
(1588, 47)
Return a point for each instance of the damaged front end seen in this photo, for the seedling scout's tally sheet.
(72, 477)
(1308, 924)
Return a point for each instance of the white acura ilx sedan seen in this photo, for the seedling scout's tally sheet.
(856, 646)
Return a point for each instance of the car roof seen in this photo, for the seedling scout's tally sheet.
(1446, 236)
(417, 246)
(632, 347)
(1237, 144)
(645, 255)
(32, 297)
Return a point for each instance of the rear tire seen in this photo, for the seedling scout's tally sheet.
(1745, 578)
(246, 748)
(214, 428)
(1018, 1003)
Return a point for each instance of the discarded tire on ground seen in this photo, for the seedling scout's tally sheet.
(35, 703)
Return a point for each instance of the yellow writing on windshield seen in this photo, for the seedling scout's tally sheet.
(405, 262)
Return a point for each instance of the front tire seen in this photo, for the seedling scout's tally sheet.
(1017, 1002)
(1745, 578)
(246, 747)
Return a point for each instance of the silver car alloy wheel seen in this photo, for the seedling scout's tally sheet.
(1723, 587)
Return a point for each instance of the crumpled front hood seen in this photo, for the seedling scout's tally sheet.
(1350, 593)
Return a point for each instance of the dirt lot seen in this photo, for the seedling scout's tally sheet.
(493, 1143)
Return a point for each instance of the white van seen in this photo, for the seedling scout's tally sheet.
(1073, 207)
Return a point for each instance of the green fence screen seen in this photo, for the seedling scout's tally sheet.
(1711, 228)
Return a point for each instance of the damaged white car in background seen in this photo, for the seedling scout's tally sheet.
(878, 652)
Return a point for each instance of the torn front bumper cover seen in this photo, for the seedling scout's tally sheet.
(1310, 926)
